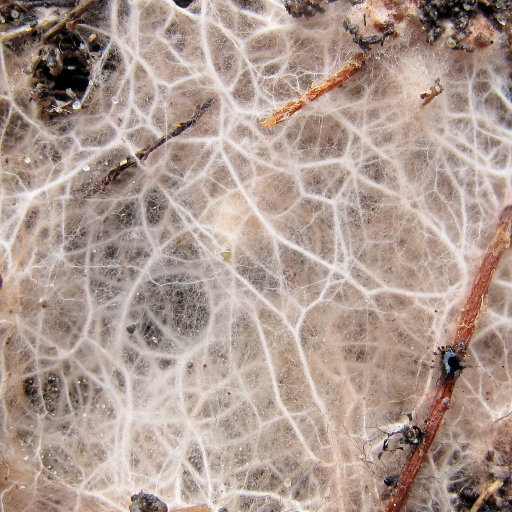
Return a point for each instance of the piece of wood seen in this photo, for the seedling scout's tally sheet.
(465, 327)
(71, 16)
(142, 154)
(317, 90)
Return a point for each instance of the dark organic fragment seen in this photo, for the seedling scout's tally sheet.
(468, 496)
(434, 91)
(461, 14)
(60, 75)
(391, 480)
(351, 28)
(306, 8)
(412, 435)
(144, 153)
(143, 502)
(364, 42)
(183, 3)
(61, 68)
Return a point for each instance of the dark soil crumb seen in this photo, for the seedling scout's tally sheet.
(463, 15)
(468, 24)
(60, 74)
(306, 8)
(147, 503)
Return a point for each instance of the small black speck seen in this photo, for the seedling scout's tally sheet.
(131, 328)
(223, 509)
(190, 365)
(183, 3)
(391, 481)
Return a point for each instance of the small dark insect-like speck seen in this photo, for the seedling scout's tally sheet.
(451, 362)
(183, 3)
(391, 480)
(412, 435)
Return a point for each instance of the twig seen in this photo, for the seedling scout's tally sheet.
(71, 16)
(144, 153)
(29, 4)
(465, 328)
(288, 109)
(21, 31)
(46, 3)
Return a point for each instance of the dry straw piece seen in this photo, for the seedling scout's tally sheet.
(288, 109)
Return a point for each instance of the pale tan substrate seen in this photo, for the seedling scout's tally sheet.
(355, 230)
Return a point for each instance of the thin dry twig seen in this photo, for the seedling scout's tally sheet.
(45, 3)
(71, 16)
(288, 109)
(144, 153)
(23, 30)
(465, 328)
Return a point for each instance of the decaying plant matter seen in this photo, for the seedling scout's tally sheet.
(144, 153)
(427, 97)
(454, 364)
(71, 18)
(292, 106)
(467, 25)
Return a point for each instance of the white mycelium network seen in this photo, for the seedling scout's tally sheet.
(265, 378)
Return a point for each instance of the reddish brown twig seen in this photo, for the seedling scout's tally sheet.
(144, 153)
(288, 109)
(465, 328)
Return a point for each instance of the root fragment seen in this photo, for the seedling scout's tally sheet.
(443, 394)
(288, 109)
(144, 153)
(72, 16)
(495, 486)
